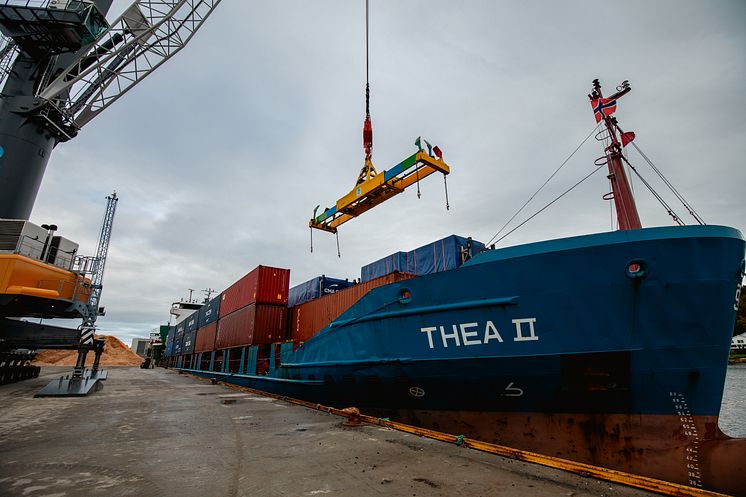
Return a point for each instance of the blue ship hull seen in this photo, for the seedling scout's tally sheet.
(609, 348)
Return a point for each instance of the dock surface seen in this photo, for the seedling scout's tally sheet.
(157, 433)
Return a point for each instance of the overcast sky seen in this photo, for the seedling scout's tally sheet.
(221, 155)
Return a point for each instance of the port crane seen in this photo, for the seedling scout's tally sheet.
(61, 65)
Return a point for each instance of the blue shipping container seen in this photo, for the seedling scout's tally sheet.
(178, 340)
(187, 345)
(192, 322)
(168, 352)
(208, 313)
(315, 288)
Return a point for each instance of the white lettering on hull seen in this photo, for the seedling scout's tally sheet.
(468, 334)
(519, 337)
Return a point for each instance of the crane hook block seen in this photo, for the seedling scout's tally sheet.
(367, 136)
(378, 188)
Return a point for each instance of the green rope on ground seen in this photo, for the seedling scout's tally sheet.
(460, 440)
(383, 419)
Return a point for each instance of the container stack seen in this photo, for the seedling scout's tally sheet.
(254, 309)
(208, 325)
(311, 317)
(190, 333)
(237, 331)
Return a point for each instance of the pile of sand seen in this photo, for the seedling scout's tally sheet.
(115, 354)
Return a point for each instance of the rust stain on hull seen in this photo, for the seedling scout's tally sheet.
(658, 446)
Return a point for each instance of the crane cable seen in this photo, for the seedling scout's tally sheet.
(367, 125)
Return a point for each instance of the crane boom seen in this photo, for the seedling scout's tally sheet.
(102, 251)
(145, 36)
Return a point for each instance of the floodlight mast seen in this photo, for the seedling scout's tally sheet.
(61, 65)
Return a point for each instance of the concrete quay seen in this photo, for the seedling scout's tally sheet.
(157, 433)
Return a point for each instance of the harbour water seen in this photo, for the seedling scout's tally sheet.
(733, 409)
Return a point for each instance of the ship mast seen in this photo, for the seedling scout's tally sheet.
(624, 201)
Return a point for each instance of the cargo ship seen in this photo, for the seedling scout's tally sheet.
(609, 348)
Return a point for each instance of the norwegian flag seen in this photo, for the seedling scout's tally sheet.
(603, 107)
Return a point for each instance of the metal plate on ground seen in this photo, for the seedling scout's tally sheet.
(70, 387)
(101, 374)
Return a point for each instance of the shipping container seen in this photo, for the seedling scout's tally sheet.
(208, 313)
(191, 322)
(315, 288)
(187, 345)
(178, 340)
(255, 323)
(169, 351)
(263, 285)
(205, 341)
(308, 319)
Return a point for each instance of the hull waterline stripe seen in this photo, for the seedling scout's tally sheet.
(586, 470)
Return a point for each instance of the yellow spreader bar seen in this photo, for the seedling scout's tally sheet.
(377, 189)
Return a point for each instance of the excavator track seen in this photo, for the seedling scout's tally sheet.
(15, 365)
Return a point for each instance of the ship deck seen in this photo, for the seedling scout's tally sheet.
(159, 433)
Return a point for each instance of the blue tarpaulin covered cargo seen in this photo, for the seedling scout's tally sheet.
(441, 255)
(208, 313)
(396, 262)
(315, 288)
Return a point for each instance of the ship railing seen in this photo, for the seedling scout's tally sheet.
(30, 247)
(35, 248)
(85, 264)
(65, 259)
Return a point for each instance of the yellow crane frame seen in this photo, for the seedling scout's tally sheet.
(373, 189)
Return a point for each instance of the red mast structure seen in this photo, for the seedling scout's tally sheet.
(624, 201)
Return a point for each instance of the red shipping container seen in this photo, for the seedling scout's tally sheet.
(263, 285)
(308, 319)
(205, 341)
(255, 323)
